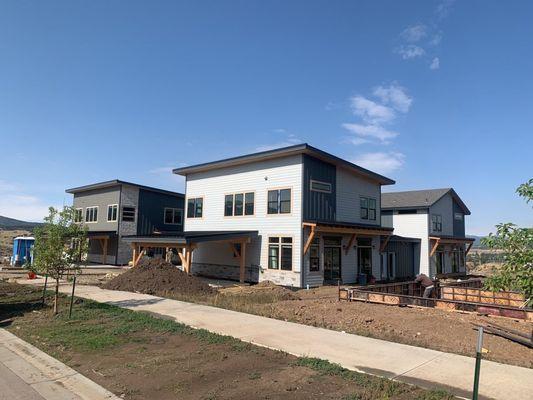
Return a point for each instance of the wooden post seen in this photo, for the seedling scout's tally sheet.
(243, 262)
(134, 248)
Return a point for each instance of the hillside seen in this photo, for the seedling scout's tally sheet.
(14, 224)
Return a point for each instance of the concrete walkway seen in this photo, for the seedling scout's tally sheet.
(26, 373)
(410, 364)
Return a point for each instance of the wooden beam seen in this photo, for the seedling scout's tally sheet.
(357, 231)
(134, 248)
(468, 248)
(350, 243)
(234, 250)
(182, 258)
(434, 248)
(309, 239)
(141, 253)
(242, 262)
(384, 244)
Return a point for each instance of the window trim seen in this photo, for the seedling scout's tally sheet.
(116, 217)
(122, 213)
(82, 219)
(440, 223)
(244, 193)
(174, 209)
(368, 208)
(280, 236)
(311, 181)
(97, 212)
(187, 207)
(279, 189)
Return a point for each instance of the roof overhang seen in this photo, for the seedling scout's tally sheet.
(452, 239)
(190, 238)
(117, 182)
(303, 148)
(348, 228)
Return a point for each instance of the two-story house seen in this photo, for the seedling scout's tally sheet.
(437, 218)
(114, 209)
(308, 217)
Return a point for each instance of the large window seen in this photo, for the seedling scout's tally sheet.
(239, 204)
(195, 207)
(314, 255)
(112, 211)
(436, 223)
(280, 253)
(279, 201)
(368, 208)
(317, 186)
(128, 214)
(78, 215)
(173, 216)
(91, 214)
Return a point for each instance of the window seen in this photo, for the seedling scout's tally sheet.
(280, 253)
(458, 216)
(91, 214)
(314, 255)
(195, 207)
(317, 186)
(112, 211)
(78, 215)
(279, 201)
(173, 216)
(239, 204)
(436, 223)
(368, 208)
(128, 214)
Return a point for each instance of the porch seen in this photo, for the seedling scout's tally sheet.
(448, 254)
(102, 247)
(342, 251)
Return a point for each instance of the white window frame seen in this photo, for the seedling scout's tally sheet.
(312, 181)
(280, 245)
(174, 209)
(97, 212)
(81, 215)
(116, 214)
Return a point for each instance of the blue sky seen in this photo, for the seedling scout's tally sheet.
(430, 93)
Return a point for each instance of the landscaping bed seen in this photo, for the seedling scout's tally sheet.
(137, 356)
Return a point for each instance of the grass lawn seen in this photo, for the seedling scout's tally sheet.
(138, 356)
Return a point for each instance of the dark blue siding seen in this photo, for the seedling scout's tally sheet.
(458, 225)
(318, 205)
(151, 212)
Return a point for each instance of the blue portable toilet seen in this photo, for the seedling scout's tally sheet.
(22, 250)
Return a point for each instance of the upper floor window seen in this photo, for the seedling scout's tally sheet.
(173, 216)
(239, 204)
(280, 253)
(279, 201)
(91, 214)
(317, 186)
(368, 208)
(195, 207)
(458, 216)
(436, 222)
(128, 214)
(78, 215)
(112, 211)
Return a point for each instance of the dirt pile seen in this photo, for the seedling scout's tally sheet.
(158, 277)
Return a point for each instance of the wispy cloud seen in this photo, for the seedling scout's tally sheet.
(291, 140)
(383, 163)
(370, 111)
(435, 63)
(14, 203)
(394, 95)
(444, 8)
(414, 33)
(410, 51)
(369, 131)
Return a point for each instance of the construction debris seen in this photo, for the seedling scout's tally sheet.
(508, 333)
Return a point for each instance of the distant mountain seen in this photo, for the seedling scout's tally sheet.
(12, 224)
(477, 244)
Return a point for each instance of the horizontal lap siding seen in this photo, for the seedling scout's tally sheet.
(350, 188)
(256, 177)
(101, 198)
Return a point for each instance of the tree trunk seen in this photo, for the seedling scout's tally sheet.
(56, 297)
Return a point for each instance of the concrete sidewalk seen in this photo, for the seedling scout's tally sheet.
(26, 373)
(410, 364)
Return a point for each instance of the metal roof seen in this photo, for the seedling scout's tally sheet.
(303, 148)
(418, 199)
(116, 182)
(191, 237)
(344, 224)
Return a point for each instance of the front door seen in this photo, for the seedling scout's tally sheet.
(365, 260)
(332, 263)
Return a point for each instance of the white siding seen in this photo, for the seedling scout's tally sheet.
(415, 226)
(350, 188)
(258, 178)
(443, 207)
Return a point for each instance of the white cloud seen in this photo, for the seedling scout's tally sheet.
(414, 33)
(23, 207)
(370, 111)
(444, 8)
(394, 95)
(380, 162)
(290, 141)
(410, 51)
(435, 41)
(356, 141)
(435, 64)
(370, 131)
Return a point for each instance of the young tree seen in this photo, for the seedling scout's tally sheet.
(60, 246)
(517, 244)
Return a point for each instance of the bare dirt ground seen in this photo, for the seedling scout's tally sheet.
(452, 332)
(137, 356)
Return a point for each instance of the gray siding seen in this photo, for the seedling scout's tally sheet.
(458, 224)
(405, 257)
(151, 212)
(100, 198)
(318, 205)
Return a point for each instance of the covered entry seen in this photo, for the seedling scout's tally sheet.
(448, 254)
(184, 245)
(102, 247)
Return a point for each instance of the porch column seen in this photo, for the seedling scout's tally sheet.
(242, 262)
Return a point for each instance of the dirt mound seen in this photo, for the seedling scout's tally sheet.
(158, 277)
